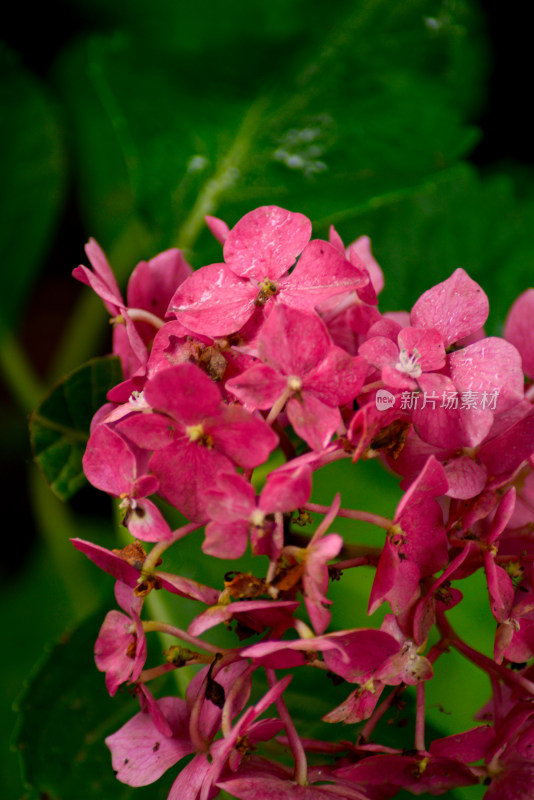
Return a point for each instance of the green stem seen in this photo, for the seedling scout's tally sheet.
(19, 375)
(158, 608)
(225, 176)
(57, 526)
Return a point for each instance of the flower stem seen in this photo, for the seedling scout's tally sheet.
(165, 627)
(152, 559)
(278, 406)
(378, 713)
(297, 748)
(487, 664)
(140, 315)
(420, 717)
(361, 516)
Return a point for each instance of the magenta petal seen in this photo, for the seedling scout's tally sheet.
(109, 562)
(127, 600)
(466, 747)
(456, 307)
(520, 647)
(232, 498)
(263, 613)
(111, 649)
(500, 588)
(186, 587)
(184, 469)
(286, 490)
(141, 754)
(149, 431)
(313, 420)
(243, 437)
(185, 392)
(190, 779)
(293, 341)
(146, 522)
(385, 576)
(266, 242)
(321, 272)
(443, 427)
(431, 482)
(362, 653)
(486, 367)
(102, 280)
(520, 331)
(252, 787)
(108, 462)
(361, 250)
(465, 477)
(146, 484)
(153, 283)
(218, 228)
(502, 515)
(214, 301)
(358, 706)
(428, 343)
(258, 387)
(226, 539)
(315, 581)
(379, 351)
(337, 378)
(435, 776)
(507, 451)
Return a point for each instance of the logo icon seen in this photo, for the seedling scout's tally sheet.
(384, 399)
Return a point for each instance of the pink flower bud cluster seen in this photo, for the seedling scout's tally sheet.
(278, 357)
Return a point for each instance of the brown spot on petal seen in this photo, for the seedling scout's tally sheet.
(214, 691)
(146, 585)
(133, 553)
(156, 747)
(288, 578)
(391, 439)
(243, 585)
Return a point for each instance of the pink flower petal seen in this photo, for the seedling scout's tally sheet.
(321, 272)
(456, 307)
(108, 462)
(520, 331)
(185, 392)
(488, 366)
(293, 341)
(243, 437)
(226, 539)
(286, 490)
(214, 301)
(146, 522)
(257, 387)
(184, 470)
(314, 422)
(141, 754)
(266, 242)
(465, 477)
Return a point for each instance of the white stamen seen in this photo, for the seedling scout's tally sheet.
(409, 364)
(257, 517)
(294, 383)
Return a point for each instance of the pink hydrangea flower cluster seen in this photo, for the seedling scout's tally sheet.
(279, 355)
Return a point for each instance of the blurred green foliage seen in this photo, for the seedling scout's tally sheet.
(155, 114)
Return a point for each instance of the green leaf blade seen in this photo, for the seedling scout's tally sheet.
(59, 427)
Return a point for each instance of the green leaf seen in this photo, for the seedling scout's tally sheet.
(64, 717)
(454, 219)
(59, 427)
(351, 111)
(32, 166)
